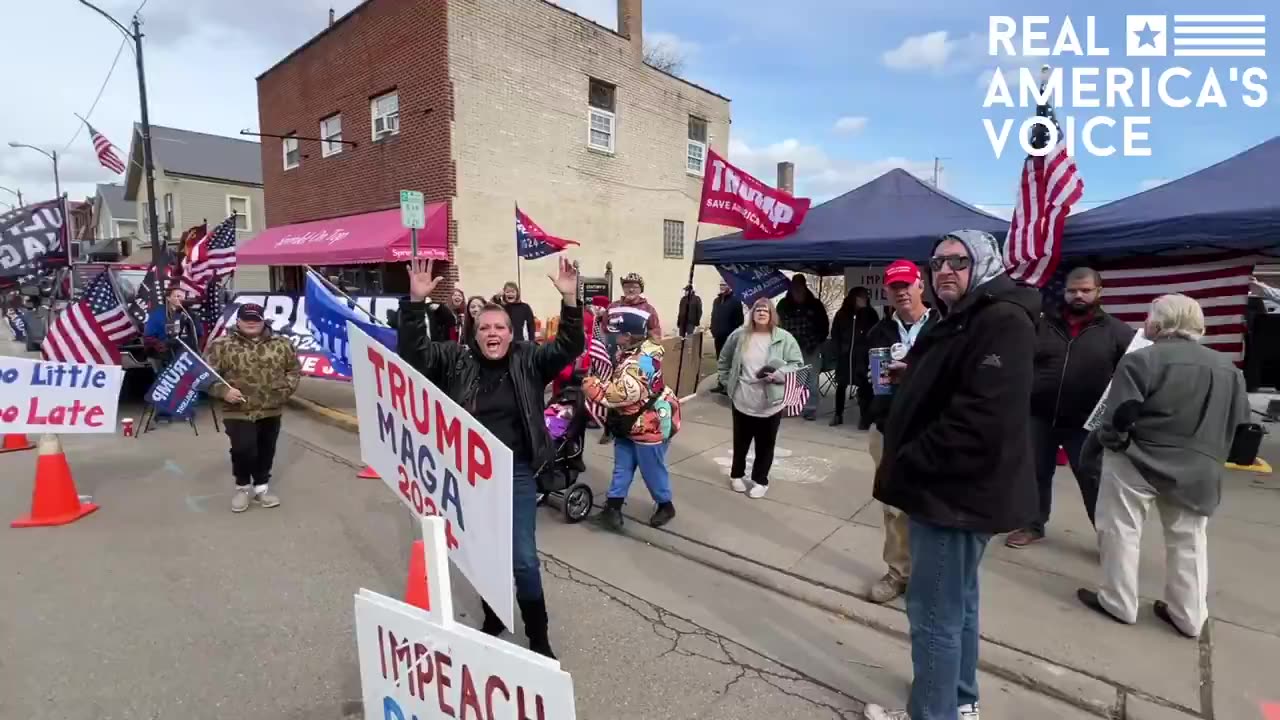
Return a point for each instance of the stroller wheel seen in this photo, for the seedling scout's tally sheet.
(578, 500)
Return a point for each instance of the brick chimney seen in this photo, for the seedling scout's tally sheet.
(787, 177)
(631, 23)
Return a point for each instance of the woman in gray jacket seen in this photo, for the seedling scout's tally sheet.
(1171, 416)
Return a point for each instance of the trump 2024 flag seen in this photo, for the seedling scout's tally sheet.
(327, 317)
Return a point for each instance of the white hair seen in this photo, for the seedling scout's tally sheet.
(1175, 316)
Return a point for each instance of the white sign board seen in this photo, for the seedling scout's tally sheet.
(413, 212)
(872, 278)
(1138, 342)
(439, 461)
(424, 665)
(61, 398)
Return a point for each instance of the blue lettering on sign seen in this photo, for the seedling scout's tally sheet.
(391, 710)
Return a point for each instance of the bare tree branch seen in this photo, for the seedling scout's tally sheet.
(664, 56)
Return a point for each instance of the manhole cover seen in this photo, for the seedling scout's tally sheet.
(787, 466)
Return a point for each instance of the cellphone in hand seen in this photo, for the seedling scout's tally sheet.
(765, 372)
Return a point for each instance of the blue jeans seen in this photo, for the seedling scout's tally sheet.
(524, 537)
(942, 608)
(652, 461)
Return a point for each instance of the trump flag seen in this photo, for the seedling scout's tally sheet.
(327, 318)
(179, 385)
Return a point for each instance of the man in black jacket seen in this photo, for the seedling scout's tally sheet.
(910, 321)
(957, 461)
(501, 381)
(689, 315)
(1077, 350)
(726, 316)
(803, 315)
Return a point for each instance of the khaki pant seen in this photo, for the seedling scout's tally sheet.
(897, 553)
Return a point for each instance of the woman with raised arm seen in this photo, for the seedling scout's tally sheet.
(500, 381)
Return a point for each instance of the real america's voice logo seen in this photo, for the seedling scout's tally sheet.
(1105, 108)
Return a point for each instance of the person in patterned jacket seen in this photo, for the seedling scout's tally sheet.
(260, 372)
(643, 415)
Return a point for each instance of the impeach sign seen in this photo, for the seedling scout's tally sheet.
(439, 461)
(51, 397)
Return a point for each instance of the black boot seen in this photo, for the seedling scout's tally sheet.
(662, 515)
(534, 613)
(611, 518)
(493, 624)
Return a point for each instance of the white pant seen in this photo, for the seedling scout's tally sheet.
(1123, 500)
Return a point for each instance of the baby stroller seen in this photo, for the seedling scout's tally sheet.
(566, 419)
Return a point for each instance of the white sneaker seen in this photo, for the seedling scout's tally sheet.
(969, 712)
(738, 485)
(875, 712)
(757, 491)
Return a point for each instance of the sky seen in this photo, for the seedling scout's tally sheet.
(845, 89)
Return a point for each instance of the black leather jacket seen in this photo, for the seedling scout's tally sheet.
(453, 368)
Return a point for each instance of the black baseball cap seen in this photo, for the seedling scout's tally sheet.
(251, 312)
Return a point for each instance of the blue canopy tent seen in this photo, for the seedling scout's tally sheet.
(1233, 205)
(896, 215)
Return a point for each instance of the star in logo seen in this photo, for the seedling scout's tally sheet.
(1146, 36)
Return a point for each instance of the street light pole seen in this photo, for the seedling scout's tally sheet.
(14, 192)
(158, 254)
(64, 232)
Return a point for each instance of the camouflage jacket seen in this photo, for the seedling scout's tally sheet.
(264, 369)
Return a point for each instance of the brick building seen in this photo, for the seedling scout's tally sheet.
(483, 104)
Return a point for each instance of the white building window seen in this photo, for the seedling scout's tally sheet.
(240, 207)
(331, 132)
(291, 155)
(696, 149)
(385, 110)
(673, 239)
(601, 109)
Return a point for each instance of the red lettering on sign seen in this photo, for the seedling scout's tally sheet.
(396, 387)
(522, 714)
(448, 435)
(421, 670)
(375, 359)
(443, 662)
(92, 418)
(469, 697)
(423, 424)
(382, 650)
(481, 461)
(494, 683)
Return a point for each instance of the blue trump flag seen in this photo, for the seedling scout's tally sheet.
(179, 385)
(750, 282)
(327, 317)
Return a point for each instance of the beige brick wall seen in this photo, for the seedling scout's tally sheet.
(520, 71)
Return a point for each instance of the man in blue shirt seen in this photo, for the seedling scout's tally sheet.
(165, 326)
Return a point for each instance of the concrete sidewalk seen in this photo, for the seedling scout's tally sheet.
(817, 536)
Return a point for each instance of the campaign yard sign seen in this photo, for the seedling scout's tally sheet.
(54, 397)
(438, 460)
(178, 386)
(422, 664)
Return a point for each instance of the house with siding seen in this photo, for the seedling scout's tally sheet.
(115, 224)
(199, 178)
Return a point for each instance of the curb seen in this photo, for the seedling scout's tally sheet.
(1071, 686)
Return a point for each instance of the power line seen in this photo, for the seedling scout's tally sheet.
(101, 90)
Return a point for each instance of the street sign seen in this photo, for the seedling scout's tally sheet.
(412, 210)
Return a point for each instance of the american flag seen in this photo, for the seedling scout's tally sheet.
(106, 155)
(91, 329)
(211, 257)
(1048, 187)
(601, 366)
(1218, 281)
(795, 391)
(212, 311)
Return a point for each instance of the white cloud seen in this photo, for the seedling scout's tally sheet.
(818, 175)
(935, 51)
(850, 124)
(683, 48)
(1151, 183)
(604, 12)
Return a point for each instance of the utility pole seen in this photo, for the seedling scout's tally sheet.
(17, 192)
(158, 246)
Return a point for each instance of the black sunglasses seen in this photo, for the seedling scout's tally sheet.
(955, 262)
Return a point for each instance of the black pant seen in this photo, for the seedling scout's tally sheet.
(253, 449)
(1045, 441)
(864, 398)
(764, 432)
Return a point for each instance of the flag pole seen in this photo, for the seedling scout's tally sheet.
(338, 290)
(201, 360)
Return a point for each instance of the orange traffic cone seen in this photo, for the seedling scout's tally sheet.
(1062, 457)
(368, 474)
(54, 500)
(415, 591)
(14, 443)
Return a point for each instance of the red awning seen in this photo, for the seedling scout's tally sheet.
(374, 237)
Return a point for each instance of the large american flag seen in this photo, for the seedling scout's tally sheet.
(212, 257)
(91, 329)
(1048, 187)
(1219, 282)
(213, 315)
(106, 155)
(795, 391)
(601, 366)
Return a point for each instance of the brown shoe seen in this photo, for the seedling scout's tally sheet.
(1019, 539)
(886, 588)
